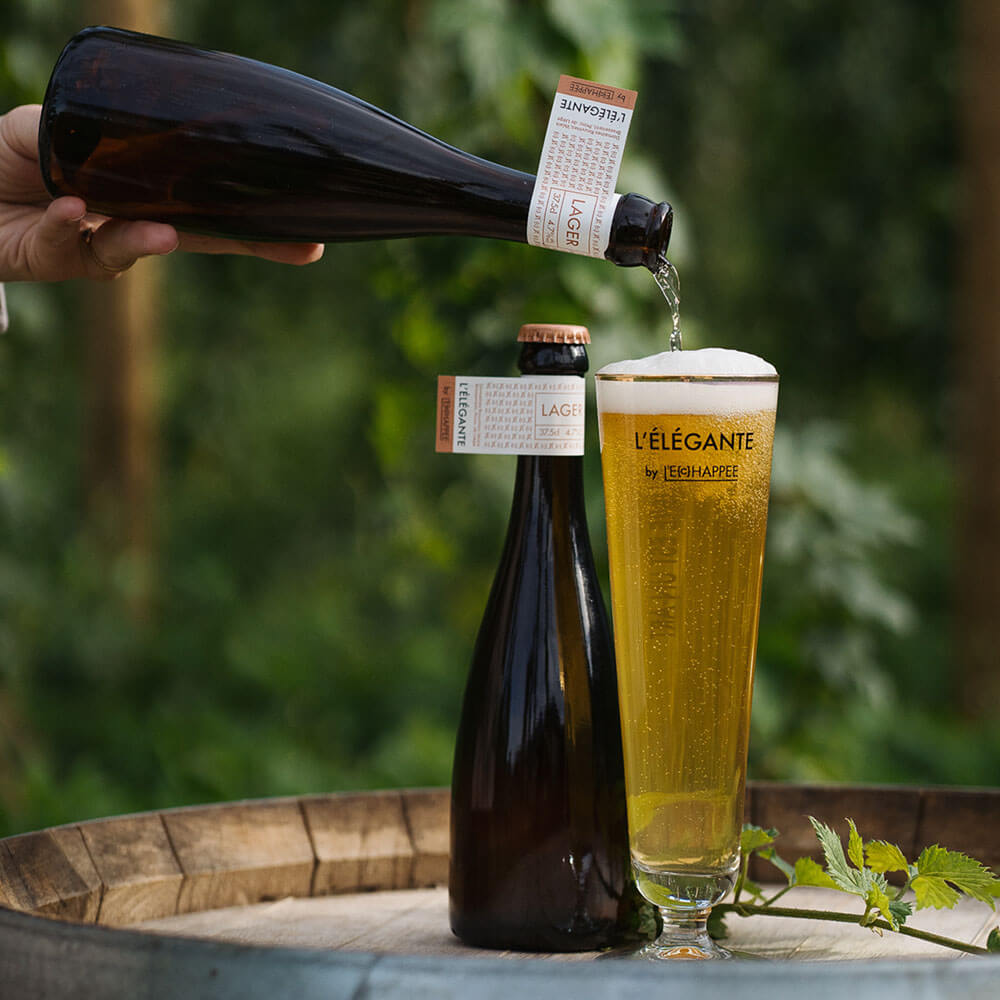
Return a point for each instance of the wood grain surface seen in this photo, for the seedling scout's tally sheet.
(415, 922)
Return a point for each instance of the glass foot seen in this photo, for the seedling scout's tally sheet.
(684, 939)
(685, 901)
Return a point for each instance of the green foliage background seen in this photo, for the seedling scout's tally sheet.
(321, 572)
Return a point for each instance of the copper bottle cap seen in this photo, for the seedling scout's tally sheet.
(553, 333)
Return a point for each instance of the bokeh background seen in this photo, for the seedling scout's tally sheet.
(231, 563)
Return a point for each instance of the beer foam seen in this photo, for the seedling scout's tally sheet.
(707, 361)
(627, 396)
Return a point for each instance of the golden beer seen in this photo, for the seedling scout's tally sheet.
(686, 479)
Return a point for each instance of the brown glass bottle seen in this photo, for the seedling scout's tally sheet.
(539, 839)
(145, 127)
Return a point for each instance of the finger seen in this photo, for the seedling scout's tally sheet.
(280, 253)
(60, 223)
(21, 176)
(49, 247)
(19, 128)
(297, 254)
(117, 244)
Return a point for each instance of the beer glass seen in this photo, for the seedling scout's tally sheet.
(686, 454)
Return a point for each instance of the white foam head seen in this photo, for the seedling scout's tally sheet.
(627, 396)
(707, 361)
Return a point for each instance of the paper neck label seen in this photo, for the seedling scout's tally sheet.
(530, 415)
(573, 201)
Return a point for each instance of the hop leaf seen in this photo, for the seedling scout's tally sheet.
(754, 837)
(885, 857)
(855, 847)
(861, 882)
(807, 872)
(878, 901)
(900, 910)
(934, 892)
(833, 851)
(717, 925)
(993, 941)
(942, 874)
(849, 879)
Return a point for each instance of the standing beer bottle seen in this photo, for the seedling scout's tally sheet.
(142, 127)
(539, 838)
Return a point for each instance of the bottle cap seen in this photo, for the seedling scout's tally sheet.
(553, 333)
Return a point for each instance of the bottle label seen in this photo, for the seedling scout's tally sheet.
(530, 415)
(573, 202)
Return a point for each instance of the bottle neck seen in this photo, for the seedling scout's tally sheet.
(640, 229)
(640, 232)
(543, 358)
(551, 484)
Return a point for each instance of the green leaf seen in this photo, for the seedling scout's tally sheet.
(807, 872)
(753, 890)
(833, 850)
(717, 925)
(879, 899)
(754, 837)
(836, 864)
(855, 846)
(993, 941)
(939, 866)
(857, 881)
(885, 857)
(900, 910)
(933, 891)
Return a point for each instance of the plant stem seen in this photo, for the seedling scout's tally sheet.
(903, 888)
(777, 895)
(744, 866)
(750, 910)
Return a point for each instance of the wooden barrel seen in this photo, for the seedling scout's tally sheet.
(342, 896)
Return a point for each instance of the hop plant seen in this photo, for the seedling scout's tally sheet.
(939, 878)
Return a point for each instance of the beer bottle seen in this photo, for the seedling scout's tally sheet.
(146, 127)
(539, 838)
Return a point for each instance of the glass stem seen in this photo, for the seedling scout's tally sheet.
(689, 925)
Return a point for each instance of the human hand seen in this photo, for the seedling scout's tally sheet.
(46, 240)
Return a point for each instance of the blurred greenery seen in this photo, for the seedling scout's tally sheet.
(320, 572)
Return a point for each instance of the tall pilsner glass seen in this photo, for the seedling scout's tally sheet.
(686, 452)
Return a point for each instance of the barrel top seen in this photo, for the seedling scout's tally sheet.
(338, 880)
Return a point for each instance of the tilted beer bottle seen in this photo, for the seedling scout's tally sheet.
(539, 838)
(146, 127)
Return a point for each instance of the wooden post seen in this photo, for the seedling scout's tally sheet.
(122, 329)
(977, 589)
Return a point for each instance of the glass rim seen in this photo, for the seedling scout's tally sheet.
(738, 379)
